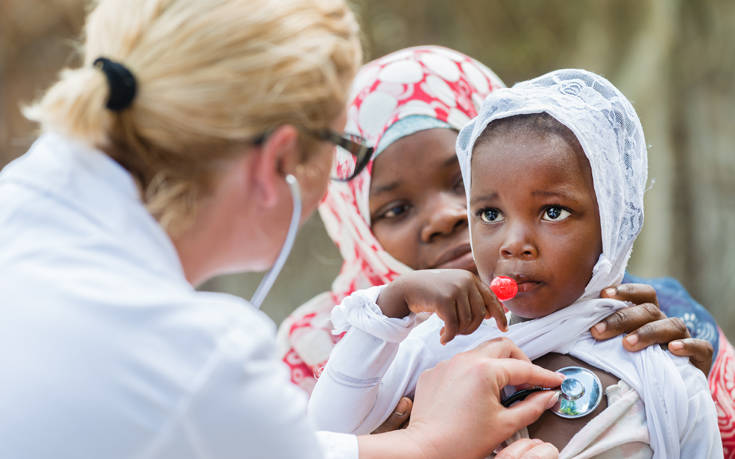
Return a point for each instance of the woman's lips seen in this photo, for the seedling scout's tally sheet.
(462, 261)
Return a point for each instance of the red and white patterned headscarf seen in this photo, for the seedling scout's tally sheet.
(428, 81)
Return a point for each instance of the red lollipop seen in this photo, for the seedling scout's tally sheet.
(504, 288)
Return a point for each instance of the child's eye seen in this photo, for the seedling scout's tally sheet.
(555, 213)
(491, 215)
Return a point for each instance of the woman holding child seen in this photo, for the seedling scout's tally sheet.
(410, 105)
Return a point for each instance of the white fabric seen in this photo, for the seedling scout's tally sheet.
(106, 351)
(610, 133)
(362, 312)
(619, 432)
(681, 415)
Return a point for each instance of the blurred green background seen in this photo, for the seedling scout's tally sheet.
(674, 59)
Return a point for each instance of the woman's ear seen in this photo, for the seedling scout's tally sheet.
(278, 154)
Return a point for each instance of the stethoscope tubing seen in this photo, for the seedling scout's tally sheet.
(270, 277)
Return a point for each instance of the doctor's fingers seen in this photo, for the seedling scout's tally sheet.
(498, 348)
(525, 412)
(529, 449)
(514, 372)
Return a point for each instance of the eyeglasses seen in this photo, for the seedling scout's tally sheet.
(352, 144)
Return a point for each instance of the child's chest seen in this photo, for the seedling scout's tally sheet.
(552, 428)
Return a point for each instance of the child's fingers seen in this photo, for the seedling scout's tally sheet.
(449, 331)
(493, 305)
(464, 313)
(477, 303)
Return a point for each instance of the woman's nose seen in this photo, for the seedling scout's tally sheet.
(518, 243)
(445, 216)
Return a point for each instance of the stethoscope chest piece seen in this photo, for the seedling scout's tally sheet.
(580, 393)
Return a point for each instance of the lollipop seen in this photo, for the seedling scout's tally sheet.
(504, 288)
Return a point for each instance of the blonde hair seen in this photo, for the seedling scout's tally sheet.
(211, 75)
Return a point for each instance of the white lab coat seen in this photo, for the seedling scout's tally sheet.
(106, 351)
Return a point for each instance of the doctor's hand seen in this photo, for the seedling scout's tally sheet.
(645, 325)
(457, 296)
(457, 410)
(528, 448)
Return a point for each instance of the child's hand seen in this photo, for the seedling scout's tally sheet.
(457, 296)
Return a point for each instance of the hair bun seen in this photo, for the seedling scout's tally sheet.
(121, 82)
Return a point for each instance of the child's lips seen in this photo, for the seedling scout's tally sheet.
(527, 286)
(525, 283)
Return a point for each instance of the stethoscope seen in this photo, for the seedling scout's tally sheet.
(270, 277)
(579, 394)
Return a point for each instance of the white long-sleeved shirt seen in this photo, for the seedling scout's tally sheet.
(106, 351)
(380, 359)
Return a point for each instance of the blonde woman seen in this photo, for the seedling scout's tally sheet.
(187, 145)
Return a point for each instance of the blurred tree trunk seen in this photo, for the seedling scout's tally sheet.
(680, 72)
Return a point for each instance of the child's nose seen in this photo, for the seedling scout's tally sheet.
(446, 215)
(518, 243)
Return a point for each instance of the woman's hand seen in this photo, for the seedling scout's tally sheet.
(457, 410)
(457, 296)
(399, 418)
(646, 325)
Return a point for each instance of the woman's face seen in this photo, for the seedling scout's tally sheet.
(534, 218)
(417, 202)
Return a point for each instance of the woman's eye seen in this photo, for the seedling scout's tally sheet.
(555, 213)
(491, 215)
(394, 211)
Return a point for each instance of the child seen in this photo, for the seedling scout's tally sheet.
(555, 200)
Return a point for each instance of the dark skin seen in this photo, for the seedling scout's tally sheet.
(535, 218)
(420, 218)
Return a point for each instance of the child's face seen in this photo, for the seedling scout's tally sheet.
(418, 207)
(534, 217)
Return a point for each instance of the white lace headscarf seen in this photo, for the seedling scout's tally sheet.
(611, 136)
(610, 133)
